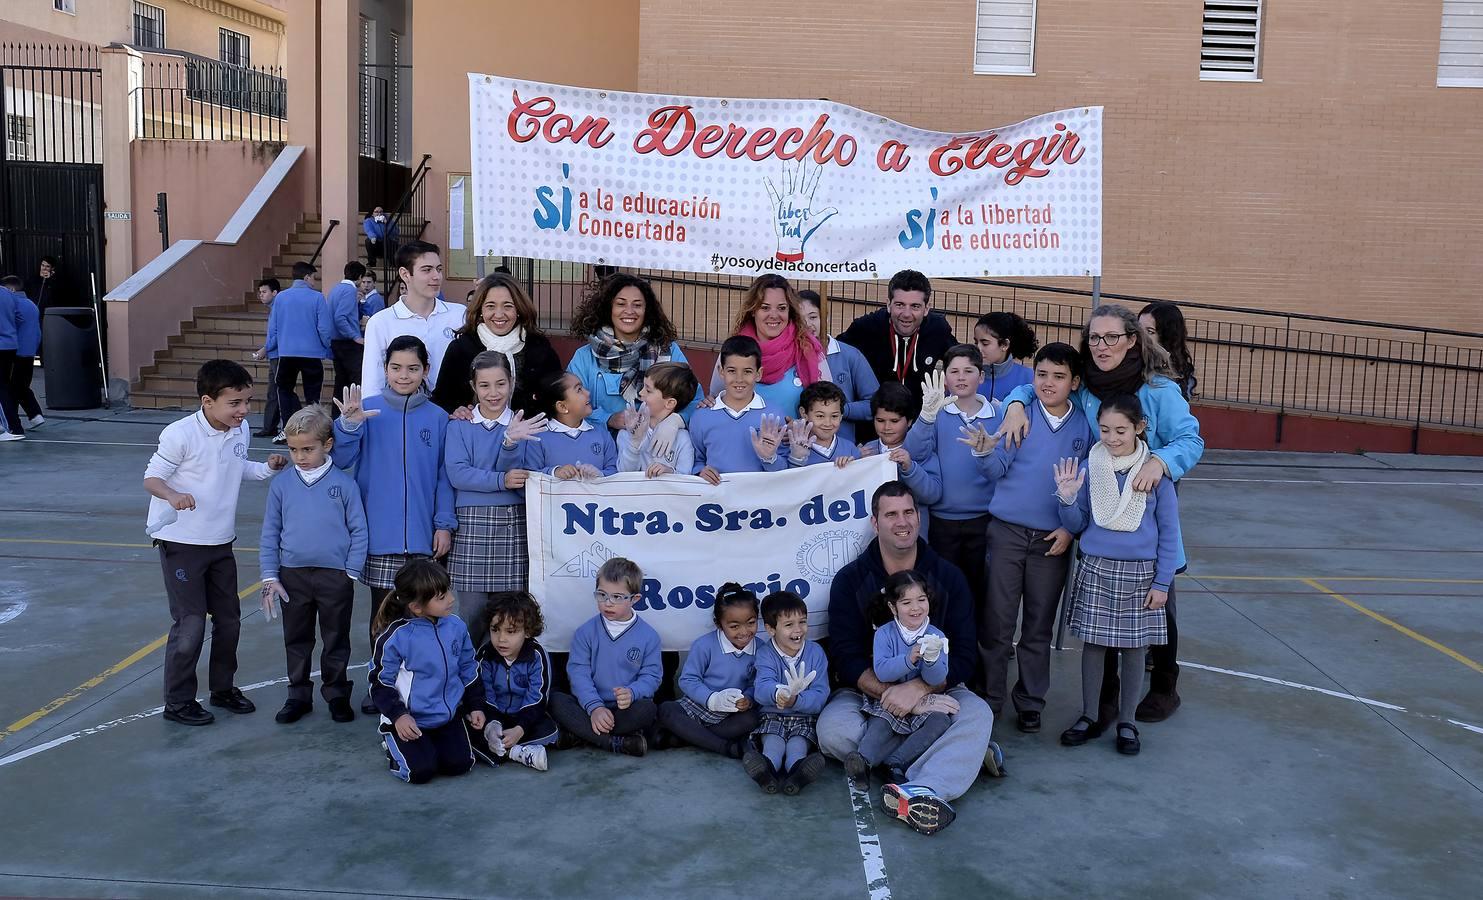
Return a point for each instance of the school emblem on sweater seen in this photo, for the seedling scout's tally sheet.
(635, 655)
(1078, 445)
(585, 564)
(596, 448)
(336, 493)
(427, 437)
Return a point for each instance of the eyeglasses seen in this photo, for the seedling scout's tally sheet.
(1111, 340)
(603, 598)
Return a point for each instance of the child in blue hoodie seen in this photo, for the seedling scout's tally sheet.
(423, 677)
(791, 688)
(395, 442)
(814, 436)
(716, 711)
(570, 447)
(1002, 339)
(1132, 545)
(516, 673)
(1028, 547)
(614, 668)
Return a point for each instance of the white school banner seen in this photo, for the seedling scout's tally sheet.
(808, 188)
(789, 530)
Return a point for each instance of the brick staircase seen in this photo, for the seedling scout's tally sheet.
(223, 332)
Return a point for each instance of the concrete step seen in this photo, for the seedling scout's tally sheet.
(229, 323)
(218, 340)
(195, 354)
(187, 368)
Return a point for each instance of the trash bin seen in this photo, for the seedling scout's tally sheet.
(69, 346)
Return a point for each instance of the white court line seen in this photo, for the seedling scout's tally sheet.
(871, 856)
(147, 714)
(1321, 481)
(31, 440)
(1294, 684)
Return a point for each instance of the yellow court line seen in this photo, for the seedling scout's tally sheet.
(1440, 648)
(93, 543)
(101, 677)
(1377, 578)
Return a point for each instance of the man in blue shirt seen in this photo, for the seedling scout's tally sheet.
(347, 344)
(299, 332)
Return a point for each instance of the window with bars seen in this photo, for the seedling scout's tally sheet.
(234, 49)
(1231, 40)
(1004, 40)
(20, 137)
(1460, 54)
(149, 26)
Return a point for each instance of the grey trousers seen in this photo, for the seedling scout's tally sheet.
(1019, 569)
(201, 581)
(948, 768)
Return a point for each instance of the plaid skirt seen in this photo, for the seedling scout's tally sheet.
(489, 552)
(1107, 600)
(787, 727)
(900, 724)
(700, 713)
(380, 571)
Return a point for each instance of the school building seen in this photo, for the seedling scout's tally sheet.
(1306, 174)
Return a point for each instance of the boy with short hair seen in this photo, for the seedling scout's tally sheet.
(740, 432)
(371, 301)
(346, 340)
(194, 478)
(267, 292)
(312, 551)
(814, 436)
(299, 333)
(1027, 545)
(891, 411)
(668, 388)
(614, 668)
(421, 313)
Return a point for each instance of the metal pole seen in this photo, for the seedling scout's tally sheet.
(162, 212)
(1096, 291)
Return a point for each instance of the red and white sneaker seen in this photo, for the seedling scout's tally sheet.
(918, 807)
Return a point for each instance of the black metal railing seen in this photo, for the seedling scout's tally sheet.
(374, 111)
(333, 223)
(188, 97)
(408, 220)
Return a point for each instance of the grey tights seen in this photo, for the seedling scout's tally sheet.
(1130, 674)
(784, 756)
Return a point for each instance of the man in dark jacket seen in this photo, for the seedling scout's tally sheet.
(906, 339)
(948, 768)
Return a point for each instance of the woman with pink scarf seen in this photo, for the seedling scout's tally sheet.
(792, 358)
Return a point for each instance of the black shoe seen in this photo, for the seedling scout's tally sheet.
(736, 750)
(340, 710)
(191, 713)
(759, 769)
(1075, 737)
(895, 775)
(232, 701)
(368, 706)
(856, 765)
(805, 773)
(1029, 721)
(630, 745)
(1128, 746)
(1157, 706)
(292, 711)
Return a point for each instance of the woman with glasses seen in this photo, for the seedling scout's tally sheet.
(1119, 357)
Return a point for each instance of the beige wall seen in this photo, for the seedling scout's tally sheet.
(96, 21)
(1344, 183)
(567, 41)
(205, 181)
(193, 26)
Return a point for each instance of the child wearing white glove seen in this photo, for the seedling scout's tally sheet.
(654, 440)
(715, 711)
(907, 647)
(792, 686)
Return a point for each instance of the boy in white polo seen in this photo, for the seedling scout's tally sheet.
(194, 478)
(420, 314)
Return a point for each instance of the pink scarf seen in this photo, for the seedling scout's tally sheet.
(781, 354)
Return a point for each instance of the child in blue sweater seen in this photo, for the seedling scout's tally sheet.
(1131, 546)
(892, 409)
(570, 447)
(423, 677)
(715, 711)
(907, 647)
(791, 687)
(516, 673)
(313, 548)
(668, 388)
(960, 520)
(740, 432)
(300, 328)
(614, 668)
(395, 442)
(1028, 547)
(814, 436)
(1003, 338)
(848, 368)
(489, 548)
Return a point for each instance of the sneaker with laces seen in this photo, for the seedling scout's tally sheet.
(918, 807)
(630, 745)
(11, 436)
(36, 421)
(994, 761)
(280, 438)
(533, 755)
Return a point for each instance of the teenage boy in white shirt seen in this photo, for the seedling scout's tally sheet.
(420, 314)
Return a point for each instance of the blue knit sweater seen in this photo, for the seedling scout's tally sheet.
(892, 653)
(966, 492)
(1157, 536)
(723, 440)
(552, 449)
(599, 663)
(1024, 476)
(300, 324)
(771, 673)
(710, 667)
(321, 524)
(476, 462)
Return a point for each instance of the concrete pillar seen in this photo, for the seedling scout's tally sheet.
(123, 72)
(301, 32)
(339, 188)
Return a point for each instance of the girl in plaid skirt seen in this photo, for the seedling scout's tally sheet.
(1130, 541)
(489, 552)
(715, 711)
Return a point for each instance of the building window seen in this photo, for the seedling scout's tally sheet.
(149, 26)
(20, 137)
(1231, 40)
(1004, 43)
(1460, 57)
(235, 49)
(66, 6)
(395, 78)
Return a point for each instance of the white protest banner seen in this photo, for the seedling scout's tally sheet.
(789, 530)
(808, 188)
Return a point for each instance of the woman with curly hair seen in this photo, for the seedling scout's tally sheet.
(627, 333)
(792, 357)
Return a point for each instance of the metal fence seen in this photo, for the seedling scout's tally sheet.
(191, 98)
(1285, 362)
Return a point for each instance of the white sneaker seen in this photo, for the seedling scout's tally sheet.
(533, 755)
(280, 438)
(11, 436)
(36, 422)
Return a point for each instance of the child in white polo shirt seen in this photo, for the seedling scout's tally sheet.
(194, 478)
